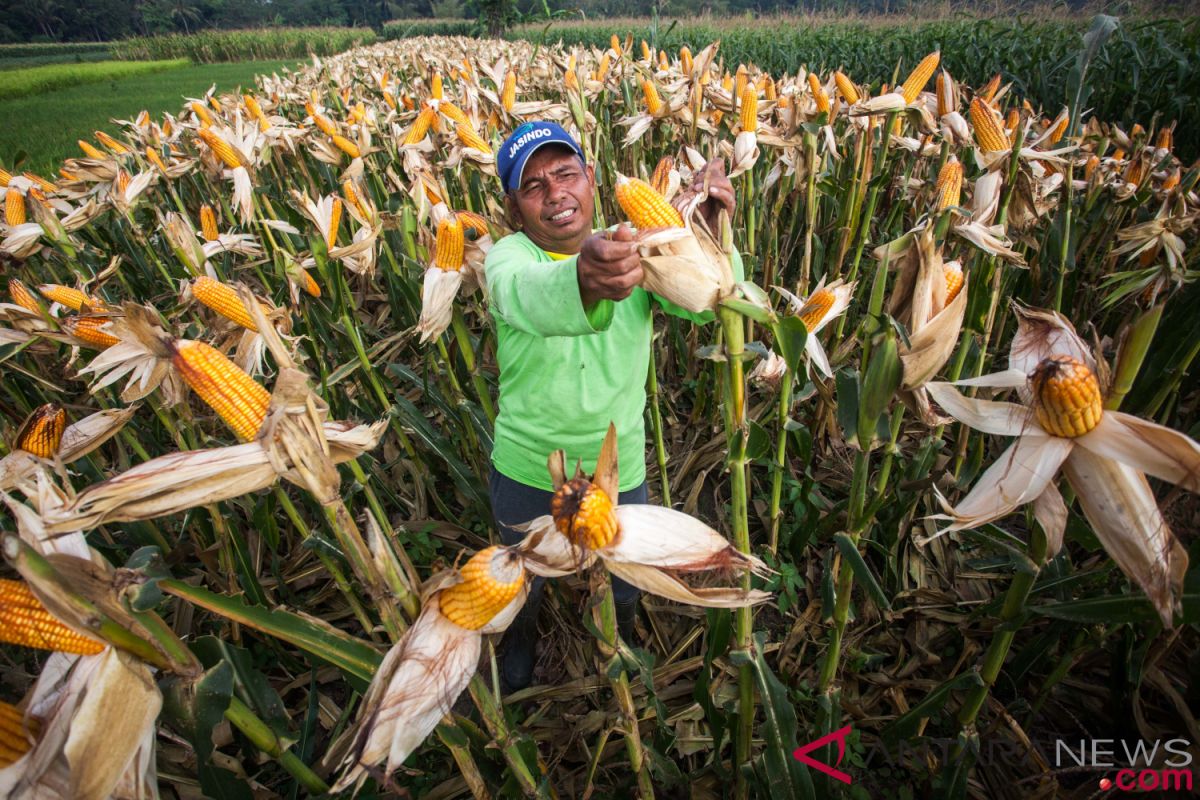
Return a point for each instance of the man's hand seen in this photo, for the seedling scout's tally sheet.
(609, 266)
(720, 193)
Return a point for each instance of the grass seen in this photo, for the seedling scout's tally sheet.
(35, 80)
(45, 126)
(41, 59)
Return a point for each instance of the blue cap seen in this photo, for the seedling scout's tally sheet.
(523, 143)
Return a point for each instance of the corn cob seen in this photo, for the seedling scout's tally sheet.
(90, 151)
(66, 296)
(167, 127)
(954, 280)
(436, 88)
(570, 79)
(202, 114)
(1090, 166)
(653, 102)
(221, 148)
(583, 512)
(602, 68)
(739, 82)
(5, 177)
(208, 223)
(942, 91)
(508, 95)
(749, 113)
(420, 126)
(390, 100)
(475, 223)
(237, 398)
(16, 734)
(988, 133)
(769, 91)
(1135, 172)
(1171, 181)
(304, 280)
(215, 103)
(67, 176)
(324, 125)
(615, 45)
(491, 579)
(449, 247)
(989, 90)
(111, 143)
(661, 178)
(14, 208)
(1118, 154)
(358, 112)
(42, 183)
(122, 181)
(1165, 138)
(466, 68)
(1136, 131)
(1066, 396)
(1011, 122)
(846, 87)
(354, 198)
(256, 111)
(815, 308)
(663, 64)
(25, 621)
(646, 54)
(1060, 128)
(920, 76)
(335, 222)
(469, 138)
(454, 113)
(408, 103)
(346, 146)
(949, 184)
(818, 93)
(224, 300)
(645, 207)
(42, 432)
(21, 296)
(87, 329)
(154, 158)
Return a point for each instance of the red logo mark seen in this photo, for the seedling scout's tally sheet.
(801, 754)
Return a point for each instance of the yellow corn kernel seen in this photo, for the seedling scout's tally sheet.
(769, 92)
(67, 175)
(653, 102)
(221, 148)
(739, 81)
(420, 126)
(988, 133)
(25, 621)
(408, 103)
(1010, 123)
(14, 208)
(1135, 172)
(448, 250)
(815, 308)
(1171, 181)
(1066, 396)
(1118, 154)
(645, 207)
(17, 734)
(920, 76)
(615, 44)
(90, 151)
(941, 89)
(66, 296)
(358, 112)
(88, 329)
(466, 68)
(354, 198)
(224, 300)
(436, 88)
(508, 95)
(42, 432)
(42, 183)
(154, 158)
(346, 146)
(749, 113)
(167, 127)
(646, 54)
(469, 138)
(954, 279)
(5, 177)
(949, 184)
(255, 110)
(335, 222)
(208, 223)
(453, 112)
(476, 224)
(570, 79)
(818, 93)
(988, 92)
(1165, 139)
(390, 100)
(584, 513)
(202, 114)
(111, 143)
(1136, 131)
(20, 295)
(661, 178)
(491, 579)
(237, 398)
(602, 68)
(1090, 166)
(663, 64)
(846, 87)
(324, 125)
(215, 103)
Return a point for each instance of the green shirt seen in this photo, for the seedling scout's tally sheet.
(566, 371)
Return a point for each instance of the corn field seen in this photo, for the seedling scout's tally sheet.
(938, 441)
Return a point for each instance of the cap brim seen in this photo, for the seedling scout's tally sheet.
(528, 154)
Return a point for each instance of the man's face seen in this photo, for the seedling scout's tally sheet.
(554, 204)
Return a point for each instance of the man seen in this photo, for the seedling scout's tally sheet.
(573, 331)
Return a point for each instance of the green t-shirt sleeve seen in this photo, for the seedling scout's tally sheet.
(703, 317)
(540, 297)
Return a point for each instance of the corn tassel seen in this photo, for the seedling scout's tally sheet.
(645, 207)
(25, 621)
(1066, 396)
(491, 579)
(237, 398)
(42, 432)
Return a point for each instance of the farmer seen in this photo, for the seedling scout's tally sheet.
(573, 331)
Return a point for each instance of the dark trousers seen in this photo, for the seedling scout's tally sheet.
(515, 503)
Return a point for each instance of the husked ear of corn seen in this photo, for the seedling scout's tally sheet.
(25, 621)
(16, 733)
(846, 87)
(989, 90)
(87, 329)
(469, 138)
(508, 95)
(335, 223)
(949, 184)
(154, 158)
(584, 513)
(42, 432)
(236, 397)
(954, 279)
(749, 112)
(436, 88)
(475, 223)
(815, 308)
(66, 296)
(346, 146)
(645, 207)
(222, 299)
(208, 223)
(420, 125)
(5, 177)
(653, 102)
(1066, 396)
(492, 578)
(661, 178)
(111, 143)
(90, 150)
(324, 124)
(14, 208)
(988, 133)
(449, 246)
(818, 93)
(20, 295)
(202, 114)
(453, 112)
(920, 76)
(220, 148)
